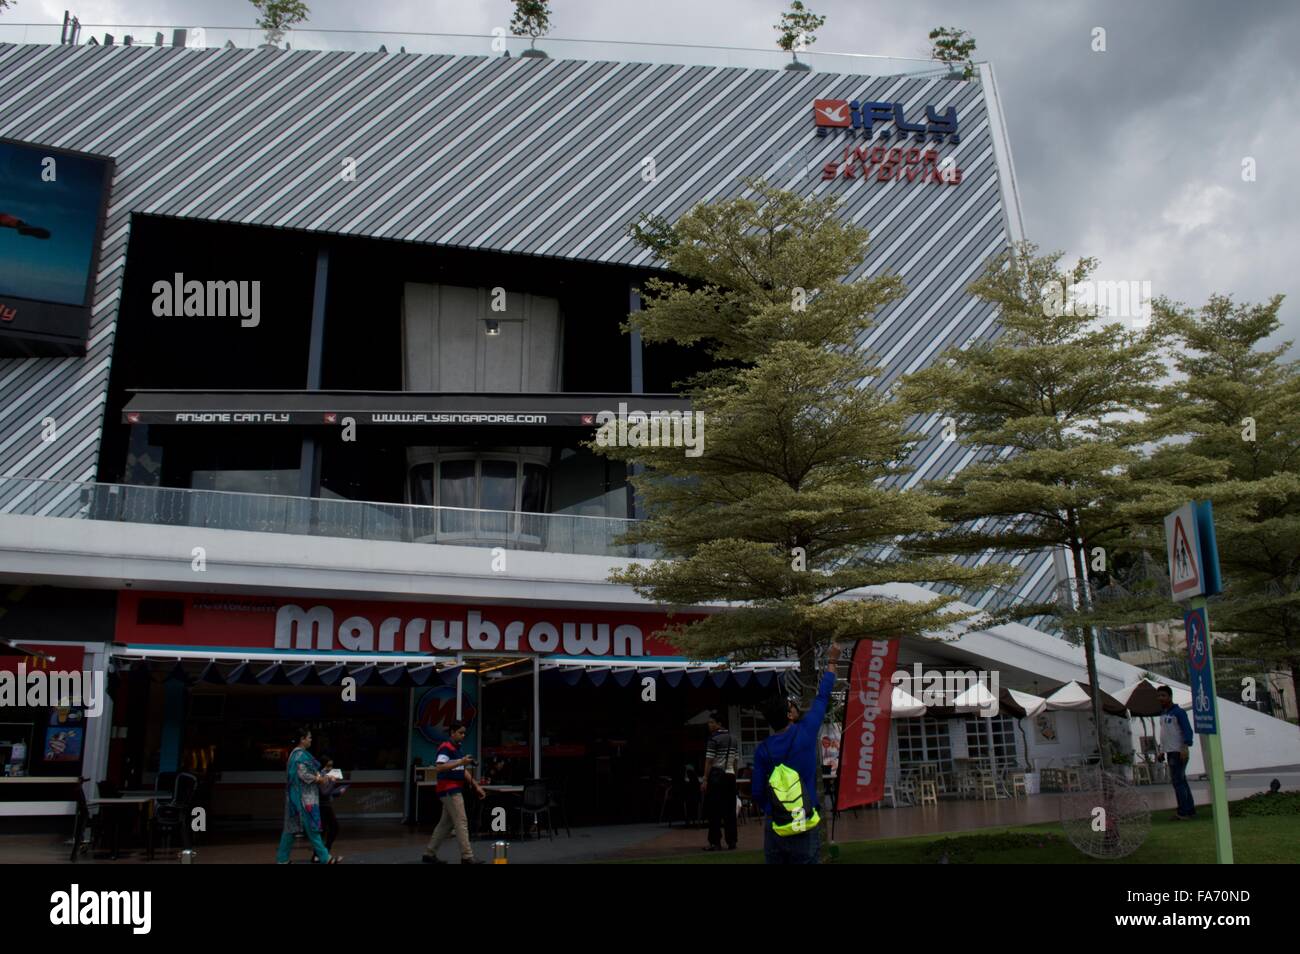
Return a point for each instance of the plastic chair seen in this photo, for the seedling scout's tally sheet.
(1017, 784)
(535, 802)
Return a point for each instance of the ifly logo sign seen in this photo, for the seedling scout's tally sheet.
(883, 120)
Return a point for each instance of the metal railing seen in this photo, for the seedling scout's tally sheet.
(318, 517)
(686, 54)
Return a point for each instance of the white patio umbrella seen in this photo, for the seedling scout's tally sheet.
(905, 706)
(977, 699)
(1030, 703)
(1074, 696)
(1021, 705)
(1139, 698)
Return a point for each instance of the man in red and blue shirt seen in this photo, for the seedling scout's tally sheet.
(453, 772)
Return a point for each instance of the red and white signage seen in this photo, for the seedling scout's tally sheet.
(1184, 551)
(55, 657)
(864, 745)
(269, 623)
(831, 112)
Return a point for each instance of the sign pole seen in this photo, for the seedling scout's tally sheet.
(1193, 575)
(1213, 757)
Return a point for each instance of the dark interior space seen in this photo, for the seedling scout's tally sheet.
(362, 349)
(612, 754)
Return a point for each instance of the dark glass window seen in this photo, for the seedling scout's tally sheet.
(533, 498)
(422, 485)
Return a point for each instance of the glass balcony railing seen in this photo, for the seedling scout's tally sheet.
(318, 517)
(686, 54)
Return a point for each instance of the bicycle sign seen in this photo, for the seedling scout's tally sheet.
(1200, 670)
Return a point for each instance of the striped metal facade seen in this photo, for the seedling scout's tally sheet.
(536, 157)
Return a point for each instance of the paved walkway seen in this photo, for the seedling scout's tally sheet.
(379, 842)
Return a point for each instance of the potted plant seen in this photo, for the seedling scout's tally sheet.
(954, 47)
(798, 30)
(278, 17)
(1122, 759)
(532, 19)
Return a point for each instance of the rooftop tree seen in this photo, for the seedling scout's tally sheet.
(798, 29)
(532, 18)
(278, 17)
(952, 47)
(795, 502)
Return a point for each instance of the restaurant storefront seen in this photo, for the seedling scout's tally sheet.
(589, 699)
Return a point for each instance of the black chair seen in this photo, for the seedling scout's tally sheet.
(164, 786)
(555, 802)
(83, 824)
(536, 802)
(173, 813)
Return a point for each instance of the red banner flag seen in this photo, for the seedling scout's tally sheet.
(865, 743)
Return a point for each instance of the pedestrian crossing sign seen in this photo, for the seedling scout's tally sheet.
(1185, 576)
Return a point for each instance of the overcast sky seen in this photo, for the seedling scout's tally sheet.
(1133, 155)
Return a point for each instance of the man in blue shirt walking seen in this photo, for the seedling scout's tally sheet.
(1175, 740)
(790, 835)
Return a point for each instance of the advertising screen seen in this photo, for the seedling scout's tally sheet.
(52, 205)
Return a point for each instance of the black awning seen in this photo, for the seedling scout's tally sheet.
(390, 407)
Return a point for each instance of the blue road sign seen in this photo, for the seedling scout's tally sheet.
(1211, 578)
(1204, 712)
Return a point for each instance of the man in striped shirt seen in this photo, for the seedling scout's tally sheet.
(719, 786)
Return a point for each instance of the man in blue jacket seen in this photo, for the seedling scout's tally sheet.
(789, 804)
(1175, 740)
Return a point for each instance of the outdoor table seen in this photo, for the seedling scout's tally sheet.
(142, 804)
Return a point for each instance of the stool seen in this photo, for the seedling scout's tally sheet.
(929, 794)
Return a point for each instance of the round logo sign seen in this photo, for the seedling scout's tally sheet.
(437, 710)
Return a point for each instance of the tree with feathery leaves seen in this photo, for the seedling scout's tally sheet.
(794, 511)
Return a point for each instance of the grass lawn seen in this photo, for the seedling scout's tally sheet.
(1255, 840)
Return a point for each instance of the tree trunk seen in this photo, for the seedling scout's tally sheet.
(1295, 690)
(1090, 649)
(808, 674)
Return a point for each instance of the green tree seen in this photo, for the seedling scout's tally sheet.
(1236, 402)
(278, 17)
(795, 500)
(951, 47)
(797, 30)
(1058, 408)
(532, 18)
